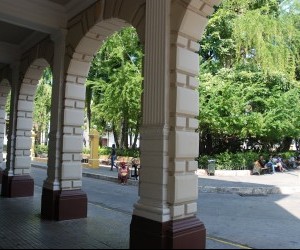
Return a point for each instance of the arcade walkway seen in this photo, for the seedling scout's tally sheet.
(110, 209)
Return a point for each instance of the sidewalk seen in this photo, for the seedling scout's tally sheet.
(227, 227)
(278, 183)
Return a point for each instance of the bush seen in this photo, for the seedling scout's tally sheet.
(86, 150)
(104, 151)
(41, 150)
(120, 152)
(202, 161)
(236, 161)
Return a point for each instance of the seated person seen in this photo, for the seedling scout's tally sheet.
(293, 162)
(297, 161)
(123, 173)
(260, 165)
(279, 165)
(283, 162)
(271, 164)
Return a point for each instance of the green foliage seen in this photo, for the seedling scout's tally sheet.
(245, 104)
(42, 101)
(120, 152)
(236, 161)
(41, 149)
(86, 150)
(104, 150)
(7, 105)
(262, 33)
(202, 161)
(249, 71)
(116, 81)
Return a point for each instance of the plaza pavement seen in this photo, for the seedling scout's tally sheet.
(278, 183)
(22, 228)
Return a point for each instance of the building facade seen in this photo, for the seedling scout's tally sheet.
(65, 35)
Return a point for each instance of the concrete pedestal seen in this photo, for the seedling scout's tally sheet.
(63, 205)
(188, 233)
(17, 186)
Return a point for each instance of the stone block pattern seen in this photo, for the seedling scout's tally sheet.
(24, 115)
(86, 34)
(184, 141)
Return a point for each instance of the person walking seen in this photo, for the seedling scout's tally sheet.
(113, 157)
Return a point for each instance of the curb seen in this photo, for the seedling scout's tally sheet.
(243, 191)
(96, 176)
(109, 178)
(250, 191)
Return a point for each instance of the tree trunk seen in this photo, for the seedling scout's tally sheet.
(286, 143)
(116, 137)
(88, 99)
(137, 132)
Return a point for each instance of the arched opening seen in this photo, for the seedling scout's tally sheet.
(42, 115)
(18, 182)
(113, 99)
(67, 181)
(4, 108)
(114, 86)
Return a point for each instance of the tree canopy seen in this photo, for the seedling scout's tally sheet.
(248, 78)
(42, 102)
(115, 83)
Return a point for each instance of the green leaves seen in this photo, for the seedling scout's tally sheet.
(42, 101)
(248, 74)
(116, 81)
(249, 104)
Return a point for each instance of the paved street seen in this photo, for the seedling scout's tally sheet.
(232, 221)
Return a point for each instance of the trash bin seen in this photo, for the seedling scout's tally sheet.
(211, 167)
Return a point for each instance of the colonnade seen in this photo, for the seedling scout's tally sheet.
(164, 216)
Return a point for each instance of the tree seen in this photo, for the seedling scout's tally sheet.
(249, 67)
(239, 105)
(42, 102)
(116, 81)
(252, 32)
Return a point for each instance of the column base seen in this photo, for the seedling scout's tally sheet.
(63, 205)
(187, 233)
(17, 186)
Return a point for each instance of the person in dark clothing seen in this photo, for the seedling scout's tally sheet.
(113, 157)
(134, 165)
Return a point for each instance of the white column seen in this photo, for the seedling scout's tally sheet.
(155, 129)
(55, 136)
(184, 140)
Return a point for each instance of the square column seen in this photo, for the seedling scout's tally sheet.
(14, 185)
(164, 216)
(62, 197)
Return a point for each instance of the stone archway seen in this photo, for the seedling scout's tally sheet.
(18, 182)
(166, 217)
(86, 33)
(170, 30)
